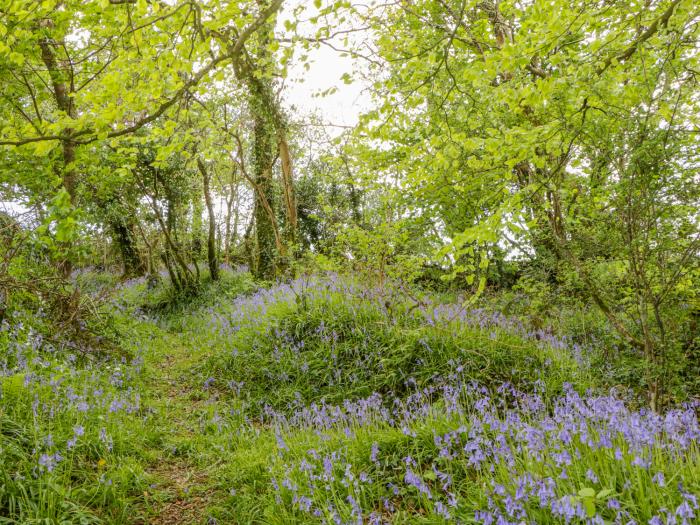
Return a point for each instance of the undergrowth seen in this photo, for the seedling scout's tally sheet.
(333, 341)
(322, 400)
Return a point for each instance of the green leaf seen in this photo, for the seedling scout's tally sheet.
(587, 492)
(604, 493)
(17, 58)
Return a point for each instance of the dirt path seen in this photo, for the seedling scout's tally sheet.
(181, 489)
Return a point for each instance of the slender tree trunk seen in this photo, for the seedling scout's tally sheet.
(248, 247)
(287, 178)
(227, 229)
(196, 245)
(183, 272)
(236, 220)
(230, 199)
(174, 279)
(150, 266)
(61, 84)
(62, 87)
(180, 274)
(211, 240)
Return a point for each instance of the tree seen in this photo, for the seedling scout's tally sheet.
(255, 69)
(211, 238)
(574, 136)
(88, 73)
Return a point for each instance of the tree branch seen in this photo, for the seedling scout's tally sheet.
(656, 25)
(233, 54)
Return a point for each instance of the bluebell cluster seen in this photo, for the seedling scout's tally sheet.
(528, 456)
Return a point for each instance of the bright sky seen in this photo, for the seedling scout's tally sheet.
(327, 67)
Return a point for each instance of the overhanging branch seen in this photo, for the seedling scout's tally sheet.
(233, 54)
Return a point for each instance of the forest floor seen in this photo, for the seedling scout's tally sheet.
(312, 402)
(182, 490)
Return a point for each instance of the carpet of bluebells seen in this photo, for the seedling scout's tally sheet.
(466, 454)
(333, 339)
(324, 401)
(430, 413)
(69, 423)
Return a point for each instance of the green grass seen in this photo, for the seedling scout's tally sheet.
(336, 348)
(223, 382)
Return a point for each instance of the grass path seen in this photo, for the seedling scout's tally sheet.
(179, 465)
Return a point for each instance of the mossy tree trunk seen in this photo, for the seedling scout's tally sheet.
(124, 235)
(269, 143)
(265, 266)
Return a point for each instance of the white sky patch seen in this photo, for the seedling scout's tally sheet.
(327, 67)
(325, 71)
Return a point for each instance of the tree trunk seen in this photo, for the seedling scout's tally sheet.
(125, 239)
(287, 179)
(264, 146)
(230, 233)
(211, 239)
(61, 84)
(196, 244)
(180, 274)
(269, 141)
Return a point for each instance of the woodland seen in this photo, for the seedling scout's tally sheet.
(476, 300)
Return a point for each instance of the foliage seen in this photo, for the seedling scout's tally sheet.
(570, 138)
(478, 303)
